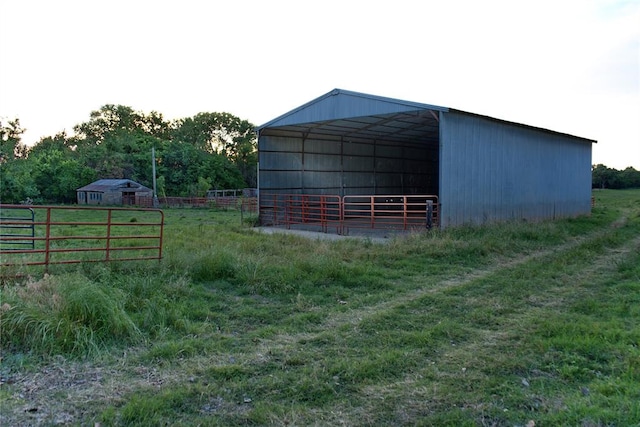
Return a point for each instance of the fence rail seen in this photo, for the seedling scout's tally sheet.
(391, 212)
(17, 229)
(325, 212)
(69, 235)
(220, 202)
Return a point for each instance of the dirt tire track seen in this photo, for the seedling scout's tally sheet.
(354, 316)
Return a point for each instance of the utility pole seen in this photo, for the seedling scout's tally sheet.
(153, 165)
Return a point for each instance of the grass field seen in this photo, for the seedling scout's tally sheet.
(517, 324)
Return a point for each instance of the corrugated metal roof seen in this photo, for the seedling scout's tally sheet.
(352, 114)
(340, 103)
(523, 125)
(114, 184)
(347, 114)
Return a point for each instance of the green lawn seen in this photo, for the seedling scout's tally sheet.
(511, 324)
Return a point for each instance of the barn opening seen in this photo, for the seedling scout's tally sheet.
(309, 167)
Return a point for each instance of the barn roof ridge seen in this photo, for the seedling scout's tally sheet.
(417, 105)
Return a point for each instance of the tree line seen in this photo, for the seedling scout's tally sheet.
(604, 177)
(193, 155)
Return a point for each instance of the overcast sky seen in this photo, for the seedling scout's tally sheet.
(570, 66)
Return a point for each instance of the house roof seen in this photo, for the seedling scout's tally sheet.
(103, 185)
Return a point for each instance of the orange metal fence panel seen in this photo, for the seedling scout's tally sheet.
(397, 212)
(390, 211)
(314, 211)
(321, 210)
(68, 235)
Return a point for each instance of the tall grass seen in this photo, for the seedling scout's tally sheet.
(65, 314)
(497, 325)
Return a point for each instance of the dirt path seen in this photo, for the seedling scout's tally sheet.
(355, 316)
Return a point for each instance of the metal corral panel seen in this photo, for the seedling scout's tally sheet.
(491, 170)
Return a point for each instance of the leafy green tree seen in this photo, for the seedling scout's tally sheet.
(141, 161)
(59, 142)
(202, 187)
(604, 177)
(11, 145)
(16, 182)
(629, 178)
(601, 176)
(183, 165)
(160, 184)
(56, 171)
(119, 119)
(173, 166)
(116, 142)
(222, 134)
(209, 150)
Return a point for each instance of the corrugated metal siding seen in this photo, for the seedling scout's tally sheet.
(314, 166)
(491, 171)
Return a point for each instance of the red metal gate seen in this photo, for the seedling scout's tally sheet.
(68, 235)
